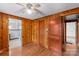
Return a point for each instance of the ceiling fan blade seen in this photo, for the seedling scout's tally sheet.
(20, 4)
(40, 12)
(21, 10)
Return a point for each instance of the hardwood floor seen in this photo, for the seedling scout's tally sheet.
(71, 50)
(28, 50)
(35, 50)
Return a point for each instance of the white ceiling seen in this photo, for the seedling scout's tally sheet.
(46, 8)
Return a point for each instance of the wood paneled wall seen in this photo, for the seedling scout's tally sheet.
(40, 32)
(55, 34)
(78, 32)
(46, 32)
(69, 12)
(49, 32)
(3, 31)
(35, 32)
(0, 31)
(45, 27)
(26, 31)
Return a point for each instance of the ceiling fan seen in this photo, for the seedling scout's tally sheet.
(30, 8)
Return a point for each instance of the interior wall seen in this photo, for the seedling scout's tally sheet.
(46, 34)
(4, 31)
(38, 29)
(44, 31)
(40, 32)
(55, 34)
(49, 33)
(78, 32)
(35, 32)
(69, 12)
(0, 32)
(26, 31)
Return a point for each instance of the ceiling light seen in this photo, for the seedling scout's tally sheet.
(29, 11)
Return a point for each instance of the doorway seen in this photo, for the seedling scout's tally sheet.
(71, 37)
(14, 28)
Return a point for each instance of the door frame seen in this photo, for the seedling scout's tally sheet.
(66, 21)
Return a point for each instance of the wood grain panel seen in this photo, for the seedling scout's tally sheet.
(35, 32)
(0, 31)
(26, 32)
(55, 34)
(34, 40)
(29, 31)
(69, 12)
(46, 32)
(14, 17)
(24, 41)
(5, 31)
(40, 31)
(78, 32)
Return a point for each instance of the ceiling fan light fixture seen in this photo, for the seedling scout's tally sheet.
(29, 11)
